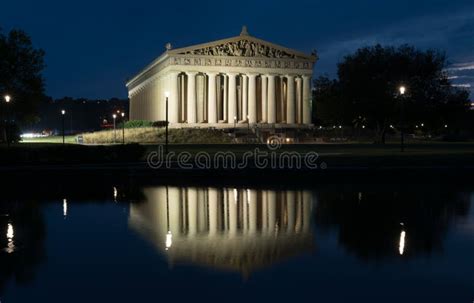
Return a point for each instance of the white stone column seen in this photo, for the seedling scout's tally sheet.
(272, 204)
(290, 210)
(271, 99)
(290, 100)
(174, 204)
(264, 99)
(226, 99)
(212, 106)
(192, 113)
(173, 100)
(252, 202)
(252, 98)
(307, 99)
(232, 98)
(244, 98)
(213, 212)
(232, 212)
(192, 210)
(299, 116)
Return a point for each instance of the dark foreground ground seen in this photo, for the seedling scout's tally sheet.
(335, 162)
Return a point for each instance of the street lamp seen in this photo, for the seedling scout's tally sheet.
(63, 113)
(402, 91)
(115, 129)
(167, 94)
(6, 129)
(123, 128)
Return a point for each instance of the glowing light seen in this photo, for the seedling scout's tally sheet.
(416, 126)
(340, 126)
(169, 240)
(422, 124)
(10, 235)
(402, 90)
(65, 208)
(391, 126)
(7, 98)
(363, 126)
(167, 94)
(401, 245)
(287, 139)
(446, 126)
(10, 232)
(123, 115)
(63, 112)
(115, 193)
(235, 118)
(114, 116)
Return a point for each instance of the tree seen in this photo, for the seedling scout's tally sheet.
(368, 87)
(21, 66)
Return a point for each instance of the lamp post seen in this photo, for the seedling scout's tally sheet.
(7, 128)
(402, 91)
(115, 129)
(167, 94)
(123, 128)
(63, 113)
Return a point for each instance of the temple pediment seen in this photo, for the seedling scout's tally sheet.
(242, 46)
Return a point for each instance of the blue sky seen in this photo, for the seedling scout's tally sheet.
(92, 47)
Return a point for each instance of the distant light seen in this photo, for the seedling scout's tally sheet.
(123, 115)
(422, 124)
(340, 126)
(10, 235)
(65, 208)
(10, 232)
(167, 94)
(63, 112)
(401, 246)
(363, 126)
(114, 116)
(115, 193)
(334, 126)
(402, 90)
(287, 139)
(391, 126)
(446, 126)
(7, 98)
(416, 126)
(320, 127)
(169, 240)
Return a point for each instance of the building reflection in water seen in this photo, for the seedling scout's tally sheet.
(231, 229)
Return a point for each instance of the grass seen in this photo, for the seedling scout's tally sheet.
(157, 135)
(51, 139)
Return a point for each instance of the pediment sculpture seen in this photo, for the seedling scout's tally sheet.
(242, 48)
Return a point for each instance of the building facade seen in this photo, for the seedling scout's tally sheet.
(228, 82)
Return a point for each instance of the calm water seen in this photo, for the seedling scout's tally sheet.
(240, 244)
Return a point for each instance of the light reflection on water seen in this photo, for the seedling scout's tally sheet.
(372, 242)
(232, 229)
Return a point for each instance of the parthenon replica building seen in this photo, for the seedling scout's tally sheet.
(225, 83)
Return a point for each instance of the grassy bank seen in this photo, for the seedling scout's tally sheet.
(157, 135)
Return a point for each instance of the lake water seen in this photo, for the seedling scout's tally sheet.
(236, 244)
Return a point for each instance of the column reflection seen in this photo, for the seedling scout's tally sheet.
(226, 228)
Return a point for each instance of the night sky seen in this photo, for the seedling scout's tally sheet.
(92, 47)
